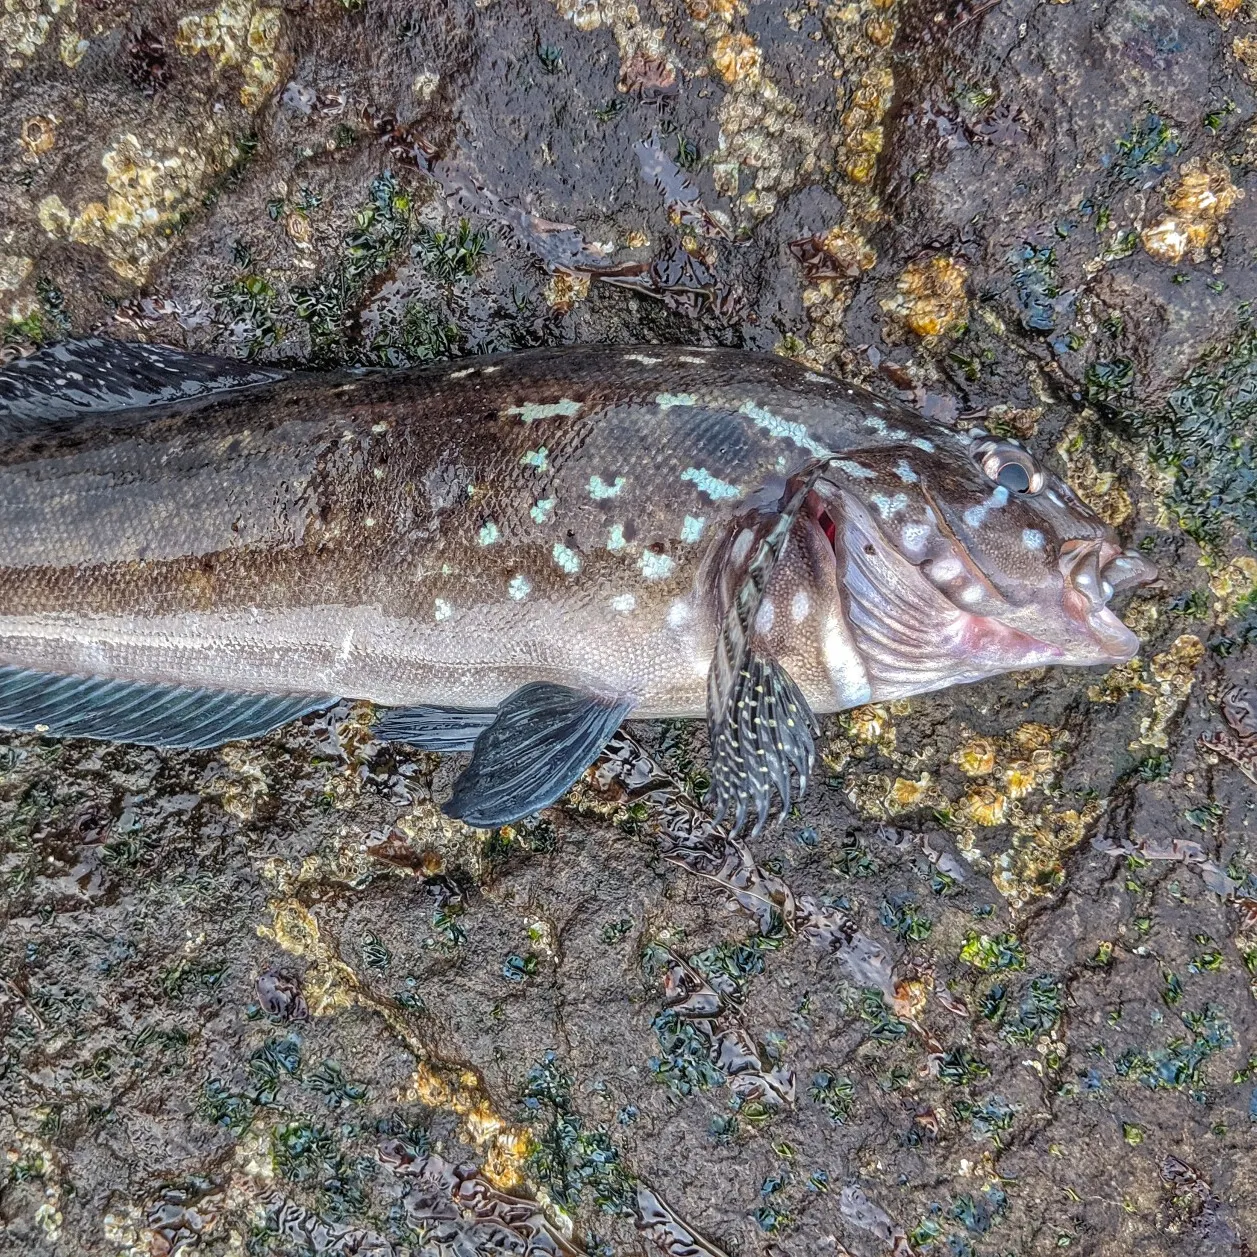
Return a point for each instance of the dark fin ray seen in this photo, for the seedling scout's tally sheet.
(542, 740)
(435, 728)
(773, 734)
(134, 711)
(81, 377)
(753, 707)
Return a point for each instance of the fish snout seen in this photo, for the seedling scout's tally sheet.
(1094, 570)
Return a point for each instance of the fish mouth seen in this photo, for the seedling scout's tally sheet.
(1094, 570)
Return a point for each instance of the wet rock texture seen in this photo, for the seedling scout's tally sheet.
(991, 988)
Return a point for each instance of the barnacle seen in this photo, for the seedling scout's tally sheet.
(984, 805)
(237, 35)
(976, 757)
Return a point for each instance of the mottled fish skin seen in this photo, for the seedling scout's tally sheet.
(445, 535)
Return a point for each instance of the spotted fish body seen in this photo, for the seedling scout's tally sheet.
(578, 518)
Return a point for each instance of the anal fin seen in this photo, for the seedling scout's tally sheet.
(435, 728)
(146, 714)
(543, 737)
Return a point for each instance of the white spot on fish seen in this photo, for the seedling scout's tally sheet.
(656, 566)
(567, 559)
(695, 362)
(692, 528)
(915, 536)
(540, 459)
(842, 659)
(377, 428)
(446, 570)
(905, 473)
(623, 603)
(441, 610)
(519, 588)
(946, 569)
(599, 489)
(975, 515)
(666, 401)
(678, 614)
(490, 370)
(971, 595)
(378, 473)
(889, 507)
(645, 359)
(1054, 497)
(999, 497)
(765, 616)
(705, 482)
(369, 522)
(922, 444)
(530, 411)
(742, 546)
(800, 605)
(784, 429)
(615, 537)
(542, 511)
(853, 469)
(816, 379)
(488, 534)
(458, 375)
(878, 425)
(1032, 539)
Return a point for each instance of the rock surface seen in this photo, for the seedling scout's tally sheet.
(993, 988)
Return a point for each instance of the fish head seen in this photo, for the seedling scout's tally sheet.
(960, 556)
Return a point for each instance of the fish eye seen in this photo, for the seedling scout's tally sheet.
(1010, 466)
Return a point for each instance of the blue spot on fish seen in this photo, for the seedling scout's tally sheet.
(599, 489)
(519, 588)
(488, 533)
(853, 469)
(1033, 539)
(666, 401)
(905, 473)
(692, 528)
(922, 444)
(716, 489)
(975, 515)
(615, 537)
(542, 511)
(530, 411)
(656, 566)
(567, 559)
(540, 459)
(889, 507)
(785, 429)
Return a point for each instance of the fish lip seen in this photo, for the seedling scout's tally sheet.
(1127, 569)
(1082, 563)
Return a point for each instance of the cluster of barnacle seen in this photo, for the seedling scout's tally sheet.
(238, 35)
(762, 130)
(1167, 677)
(150, 188)
(24, 26)
(1196, 204)
(1100, 488)
(929, 299)
(1002, 773)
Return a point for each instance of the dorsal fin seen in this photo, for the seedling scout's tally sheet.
(90, 376)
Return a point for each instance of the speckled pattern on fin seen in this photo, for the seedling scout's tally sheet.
(544, 737)
(80, 377)
(132, 711)
(435, 728)
(760, 724)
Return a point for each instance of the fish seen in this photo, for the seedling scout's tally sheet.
(514, 554)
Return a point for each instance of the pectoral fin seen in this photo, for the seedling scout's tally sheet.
(760, 725)
(150, 715)
(543, 738)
